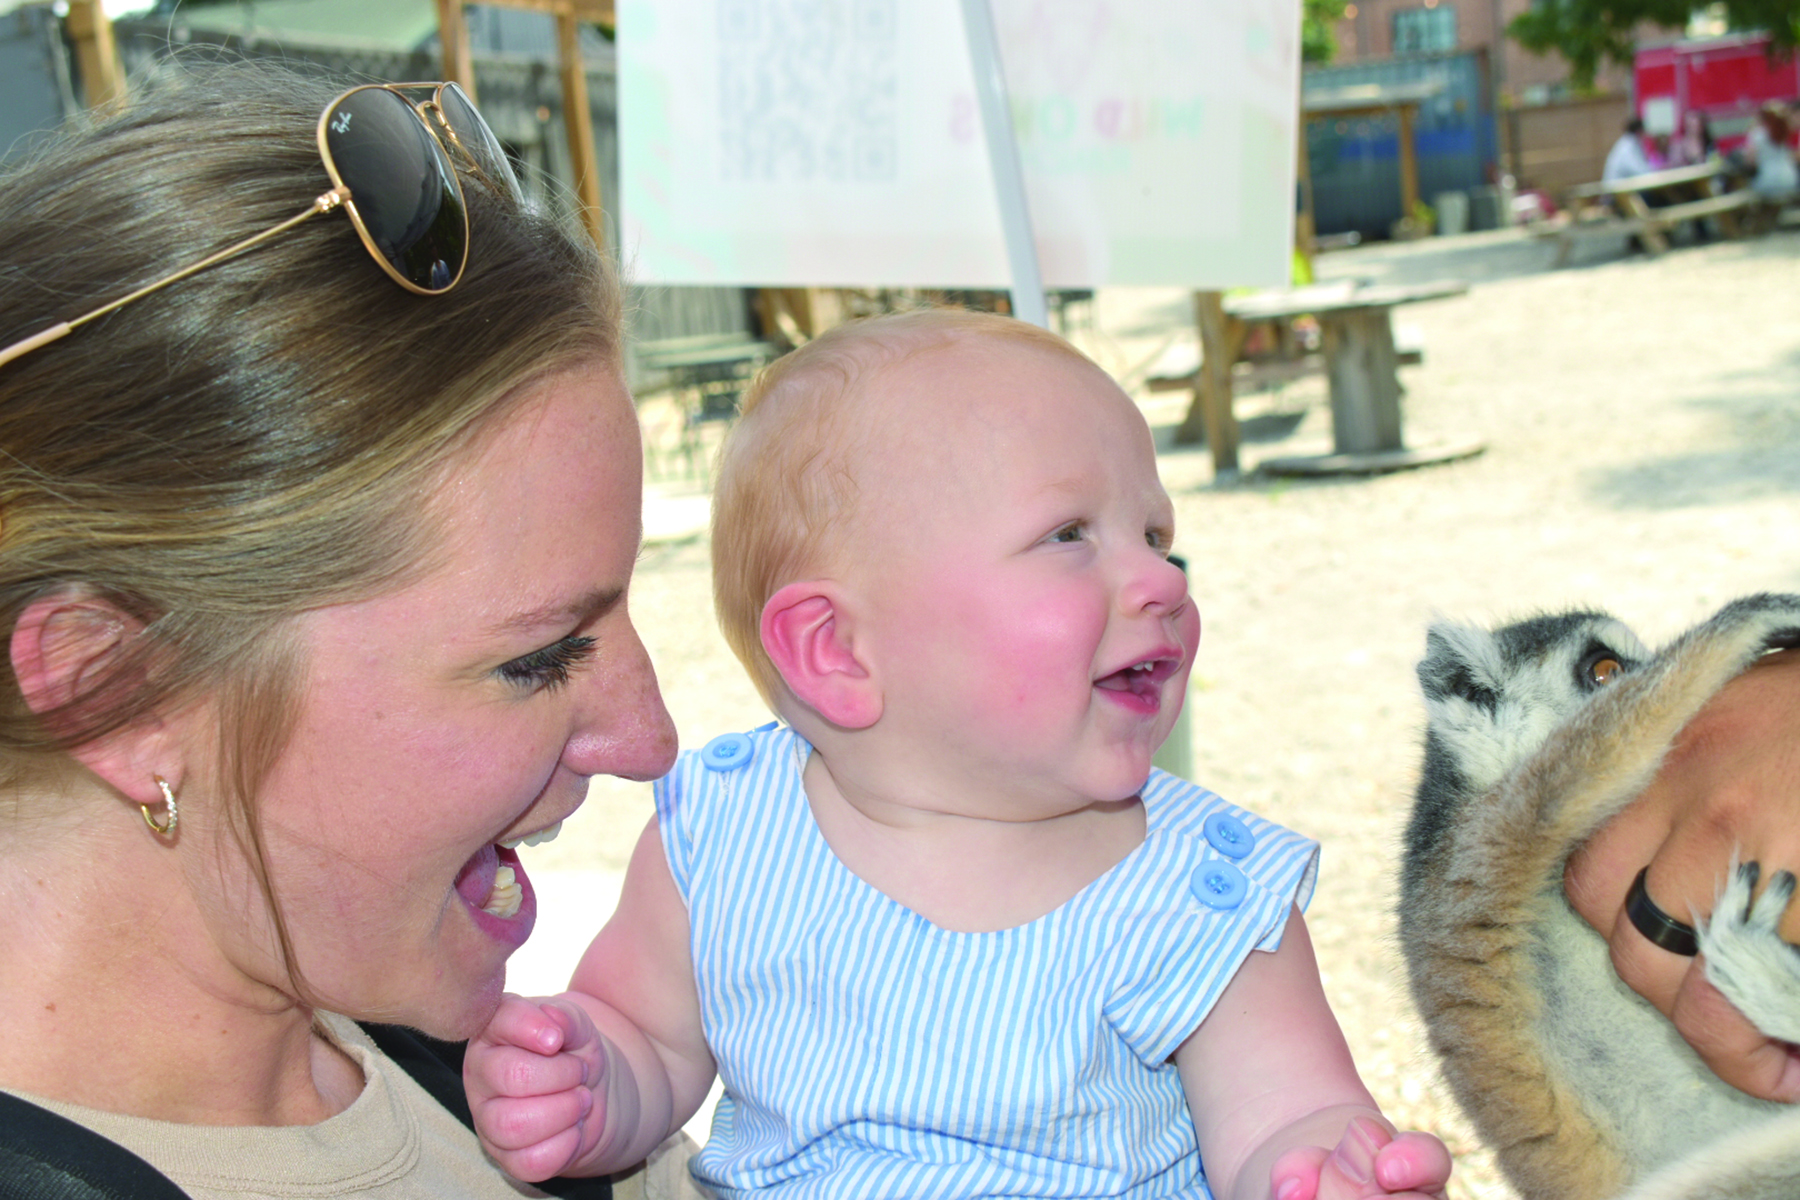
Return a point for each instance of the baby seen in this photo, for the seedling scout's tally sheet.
(945, 932)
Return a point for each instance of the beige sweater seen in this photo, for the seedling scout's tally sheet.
(393, 1143)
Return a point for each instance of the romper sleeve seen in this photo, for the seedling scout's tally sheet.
(1221, 887)
(674, 817)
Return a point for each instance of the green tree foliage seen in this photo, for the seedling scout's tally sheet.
(1588, 31)
(1318, 39)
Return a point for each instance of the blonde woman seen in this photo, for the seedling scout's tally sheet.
(313, 569)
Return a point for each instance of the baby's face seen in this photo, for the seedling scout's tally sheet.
(1029, 634)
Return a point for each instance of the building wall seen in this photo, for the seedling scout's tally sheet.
(1520, 77)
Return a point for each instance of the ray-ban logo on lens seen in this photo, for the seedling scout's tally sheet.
(340, 123)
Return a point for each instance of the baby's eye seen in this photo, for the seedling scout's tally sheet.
(1074, 531)
(549, 668)
(1160, 540)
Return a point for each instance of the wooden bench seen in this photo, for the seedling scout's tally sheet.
(1634, 215)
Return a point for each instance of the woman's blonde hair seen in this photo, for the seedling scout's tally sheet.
(256, 440)
(786, 493)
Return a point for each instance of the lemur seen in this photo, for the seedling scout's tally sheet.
(1537, 733)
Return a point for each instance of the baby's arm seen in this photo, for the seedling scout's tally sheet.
(1277, 1102)
(589, 1082)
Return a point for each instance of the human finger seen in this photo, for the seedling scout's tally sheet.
(1295, 1175)
(1737, 1051)
(527, 1024)
(510, 1071)
(1413, 1163)
(1348, 1172)
(516, 1122)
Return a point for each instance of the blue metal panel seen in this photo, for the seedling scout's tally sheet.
(1355, 160)
(35, 92)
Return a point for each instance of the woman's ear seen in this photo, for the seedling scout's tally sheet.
(807, 634)
(62, 646)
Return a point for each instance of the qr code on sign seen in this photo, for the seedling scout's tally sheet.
(808, 90)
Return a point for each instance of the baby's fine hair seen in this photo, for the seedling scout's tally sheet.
(787, 489)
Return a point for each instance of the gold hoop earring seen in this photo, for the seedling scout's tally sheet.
(167, 828)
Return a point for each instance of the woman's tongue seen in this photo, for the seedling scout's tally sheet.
(488, 881)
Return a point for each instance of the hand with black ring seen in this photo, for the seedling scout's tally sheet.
(1730, 785)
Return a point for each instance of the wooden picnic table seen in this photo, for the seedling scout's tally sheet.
(707, 373)
(1361, 366)
(1693, 192)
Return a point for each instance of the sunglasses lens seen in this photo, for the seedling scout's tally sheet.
(477, 138)
(402, 186)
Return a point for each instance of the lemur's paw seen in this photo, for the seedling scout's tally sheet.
(1745, 956)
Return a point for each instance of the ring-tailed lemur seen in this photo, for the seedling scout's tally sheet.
(1537, 734)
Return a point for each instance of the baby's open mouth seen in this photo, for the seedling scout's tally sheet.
(1140, 679)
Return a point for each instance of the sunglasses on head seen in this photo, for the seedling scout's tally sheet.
(392, 162)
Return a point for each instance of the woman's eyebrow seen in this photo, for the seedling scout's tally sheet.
(580, 610)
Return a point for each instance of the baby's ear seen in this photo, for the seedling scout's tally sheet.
(807, 634)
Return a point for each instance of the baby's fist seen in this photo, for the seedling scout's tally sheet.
(1368, 1161)
(531, 1077)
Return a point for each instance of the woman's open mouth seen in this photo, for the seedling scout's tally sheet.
(494, 887)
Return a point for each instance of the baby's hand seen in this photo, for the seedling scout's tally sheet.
(1368, 1161)
(533, 1077)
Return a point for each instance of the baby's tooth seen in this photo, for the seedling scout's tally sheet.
(514, 843)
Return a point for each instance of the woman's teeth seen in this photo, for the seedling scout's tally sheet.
(534, 839)
(504, 900)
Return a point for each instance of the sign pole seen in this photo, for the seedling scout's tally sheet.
(1003, 158)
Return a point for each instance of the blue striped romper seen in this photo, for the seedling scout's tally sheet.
(866, 1052)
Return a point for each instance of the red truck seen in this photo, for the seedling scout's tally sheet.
(1726, 78)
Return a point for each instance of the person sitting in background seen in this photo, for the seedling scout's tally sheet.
(1693, 145)
(1767, 153)
(1628, 156)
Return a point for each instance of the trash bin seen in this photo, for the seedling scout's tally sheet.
(1452, 212)
(1490, 207)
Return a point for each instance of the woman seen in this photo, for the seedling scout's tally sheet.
(314, 569)
(1767, 152)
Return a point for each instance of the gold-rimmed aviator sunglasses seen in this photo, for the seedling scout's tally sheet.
(392, 162)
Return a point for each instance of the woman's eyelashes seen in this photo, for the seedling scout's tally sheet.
(547, 668)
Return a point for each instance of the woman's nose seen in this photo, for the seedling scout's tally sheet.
(625, 730)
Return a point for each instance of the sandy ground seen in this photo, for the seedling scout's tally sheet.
(1642, 418)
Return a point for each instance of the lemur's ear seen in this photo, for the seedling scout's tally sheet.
(809, 635)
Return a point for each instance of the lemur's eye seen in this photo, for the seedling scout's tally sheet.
(1599, 668)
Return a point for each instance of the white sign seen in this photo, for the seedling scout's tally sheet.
(838, 142)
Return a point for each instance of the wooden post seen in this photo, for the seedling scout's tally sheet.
(1409, 166)
(1305, 230)
(96, 55)
(1221, 338)
(1365, 387)
(453, 40)
(578, 122)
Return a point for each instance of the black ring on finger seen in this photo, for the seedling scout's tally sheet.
(1657, 926)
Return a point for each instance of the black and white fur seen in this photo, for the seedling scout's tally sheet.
(1583, 1089)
